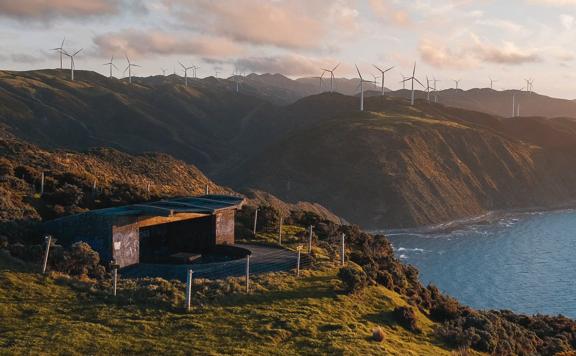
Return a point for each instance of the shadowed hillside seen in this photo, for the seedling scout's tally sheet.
(398, 166)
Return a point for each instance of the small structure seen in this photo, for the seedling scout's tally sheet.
(174, 230)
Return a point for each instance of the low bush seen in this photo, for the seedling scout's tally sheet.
(354, 279)
(378, 334)
(406, 317)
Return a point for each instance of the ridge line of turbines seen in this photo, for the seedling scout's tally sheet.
(129, 66)
(412, 79)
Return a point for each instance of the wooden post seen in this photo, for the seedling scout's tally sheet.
(342, 251)
(298, 262)
(255, 220)
(280, 231)
(114, 266)
(42, 184)
(310, 239)
(189, 290)
(207, 191)
(48, 240)
(247, 273)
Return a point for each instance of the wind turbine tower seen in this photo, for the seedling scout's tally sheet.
(413, 79)
(331, 76)
(61, 51)
(492, 81)
(457, 82)
(129, 69)
(186, 73)
(362, 81)
(383, 74)
(72, 64)
(110, 64)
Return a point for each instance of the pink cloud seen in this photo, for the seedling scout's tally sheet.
(137, 43)
(295, 24)
(46, 9)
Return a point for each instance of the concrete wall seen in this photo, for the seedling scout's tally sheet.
(224, 227)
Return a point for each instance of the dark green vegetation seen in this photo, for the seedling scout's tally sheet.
(393, 166)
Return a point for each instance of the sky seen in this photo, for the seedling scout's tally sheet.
(469, 40)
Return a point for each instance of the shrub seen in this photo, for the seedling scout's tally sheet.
(66, 195)
(406, 317)
(353, 279)
(378, 334)
(6, 168)
(445, 308)
(79, 260)
(268, 219)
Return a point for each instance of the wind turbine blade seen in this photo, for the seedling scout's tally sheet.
(182, 65)
(358, 70)
(326, 70)
(113, 65)
(375, 66)
(127, 59)
(128, 66)
(389, 69)
(414, 70)
(336, 67)
(62, 45)
(135, 65)
(78, 51)
(416, 79)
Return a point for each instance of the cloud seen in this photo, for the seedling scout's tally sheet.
(554, 2)
(48, 9)
(292, 65)
(475, 52)
(25, 58)
(137, 43)
(294, 24)
(506, 53)
(383, 9)
(440, 56)
(567, 21)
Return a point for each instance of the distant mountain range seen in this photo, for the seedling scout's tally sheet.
(391, 166)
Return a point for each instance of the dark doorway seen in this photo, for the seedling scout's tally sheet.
(177, 242)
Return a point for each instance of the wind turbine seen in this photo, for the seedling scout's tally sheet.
(412, 79)
(72, 65)
(529, 83)
(61, 51)
(321, 79)
(185, 73)
(362, 81)
(492, 81)
(383, 74)
(111, 64)
(194, 69)
(428, 87)
(457, 82)
(403, 81)
(163, 71)
(375, 78)
(237, 76)
(129, 69)
(331, 76)
(435, 90)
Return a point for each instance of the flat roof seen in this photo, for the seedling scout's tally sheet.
(205, 204)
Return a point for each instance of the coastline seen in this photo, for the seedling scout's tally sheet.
(487, 218)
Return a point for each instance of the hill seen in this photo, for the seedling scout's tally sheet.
(499, 103)
(402, 166)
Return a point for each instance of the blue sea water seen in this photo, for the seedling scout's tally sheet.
(525, 263)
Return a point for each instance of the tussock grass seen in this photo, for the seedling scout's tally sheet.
(284, 315)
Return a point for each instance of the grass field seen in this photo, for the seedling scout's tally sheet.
(286, 315)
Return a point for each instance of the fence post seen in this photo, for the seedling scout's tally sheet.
(206, 191)
(298, 262)
(114, 266)
(189, 289)
(280, 231)
(247, 273)
(342, 251)
(255, 220)
(42, 184)
(48, 240)
(310, 239)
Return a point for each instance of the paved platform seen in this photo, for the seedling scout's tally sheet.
(263, 259)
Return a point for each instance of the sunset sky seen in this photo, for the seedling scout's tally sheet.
(450, 39)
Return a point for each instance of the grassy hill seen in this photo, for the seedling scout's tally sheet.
(287, 316)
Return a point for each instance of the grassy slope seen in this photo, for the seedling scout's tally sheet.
(293, 316)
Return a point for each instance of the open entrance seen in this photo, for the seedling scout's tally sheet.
(177, 242)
